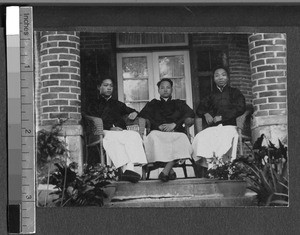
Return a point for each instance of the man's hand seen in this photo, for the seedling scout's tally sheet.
(217, 119)
(209, 119)
(132, 115)
(167, 127)
(161, 127)
(116, 128)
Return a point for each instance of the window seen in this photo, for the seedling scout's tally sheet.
(135, 79)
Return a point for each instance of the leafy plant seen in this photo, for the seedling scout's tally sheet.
(81, 190)
(225, 170)
(266, 173)
(51, 148)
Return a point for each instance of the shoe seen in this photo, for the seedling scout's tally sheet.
(130, 176)
(172, 175)
(163, 177)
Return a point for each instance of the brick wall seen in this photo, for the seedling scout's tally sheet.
(98, 60)
(60, 77)
(238, 57)
(240, 74)
(268, 68)
(95, 41)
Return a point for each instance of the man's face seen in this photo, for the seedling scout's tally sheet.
(106, 88)
(165, 89)
(220, 77)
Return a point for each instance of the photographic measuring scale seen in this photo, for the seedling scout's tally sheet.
(21, 125)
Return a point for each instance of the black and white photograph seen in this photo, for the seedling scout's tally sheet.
(161, 118)
(150, 116)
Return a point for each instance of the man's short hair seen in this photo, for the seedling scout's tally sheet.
(99, 83)
(221, 67)
(165, 80)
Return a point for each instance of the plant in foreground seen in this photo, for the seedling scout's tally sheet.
(225, 170)
(81, 190)
(51, 149)
(266, 173)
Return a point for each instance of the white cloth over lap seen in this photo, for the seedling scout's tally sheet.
(214, 141)
(167, 146)
(124, 147)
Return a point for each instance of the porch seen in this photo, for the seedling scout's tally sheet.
(70, 64)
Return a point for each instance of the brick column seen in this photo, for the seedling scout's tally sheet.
(269, 85)
(60, 86)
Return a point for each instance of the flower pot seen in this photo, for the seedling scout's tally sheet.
(232, 188)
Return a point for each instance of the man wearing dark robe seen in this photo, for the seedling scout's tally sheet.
(167, 141)
(222, 106)
(111, 111)
(123, 147)
(219, 110)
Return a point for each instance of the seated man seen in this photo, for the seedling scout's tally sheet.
(219, 109)
(123, 147)
(167, 141)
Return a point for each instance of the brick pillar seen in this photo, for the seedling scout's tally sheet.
(269, 85)
(60, 86)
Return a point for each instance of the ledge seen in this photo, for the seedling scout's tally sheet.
(268, 121)
(68, 130)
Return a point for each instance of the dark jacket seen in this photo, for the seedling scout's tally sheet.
(111, 111)
(161, 112)
(230, 103)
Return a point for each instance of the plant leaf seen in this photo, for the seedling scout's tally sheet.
(281, 194)
(280, 202)
(285, 186)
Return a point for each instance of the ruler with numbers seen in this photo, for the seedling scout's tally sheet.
(21, 125)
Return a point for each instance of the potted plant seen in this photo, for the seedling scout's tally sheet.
(229, 177)
(267, 173)
(69, 188)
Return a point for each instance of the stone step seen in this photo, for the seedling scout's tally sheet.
(179, 187)
(196, 201)
(154, 193)
(179, 193)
